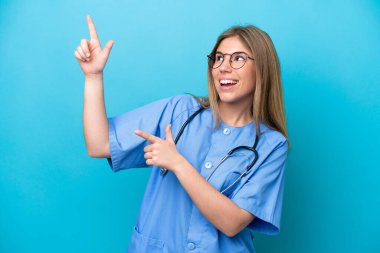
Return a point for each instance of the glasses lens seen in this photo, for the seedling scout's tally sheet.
(211, 60)
(215, 60)
(238, 60)
(219, 58)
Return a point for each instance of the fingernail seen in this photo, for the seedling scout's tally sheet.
(88, 54)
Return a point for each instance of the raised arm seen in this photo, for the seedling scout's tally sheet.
(92, 60)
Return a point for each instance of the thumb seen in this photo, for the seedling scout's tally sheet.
(108, 47)
(169, 135)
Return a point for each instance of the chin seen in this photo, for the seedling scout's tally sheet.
(227, 99)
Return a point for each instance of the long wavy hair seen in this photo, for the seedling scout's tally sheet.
(268, 102)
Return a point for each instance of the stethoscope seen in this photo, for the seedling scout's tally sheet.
(253, 149)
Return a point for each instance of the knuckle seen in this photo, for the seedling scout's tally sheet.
(77, 55)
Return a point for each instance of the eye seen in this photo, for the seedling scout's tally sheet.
(218, 57)
(239, 57)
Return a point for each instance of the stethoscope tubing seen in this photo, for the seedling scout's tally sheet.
(163, 170)
(253, 149)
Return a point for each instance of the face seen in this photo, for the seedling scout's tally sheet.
(235, 86)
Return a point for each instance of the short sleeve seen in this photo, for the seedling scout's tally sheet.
(126, 148)
(262, 193)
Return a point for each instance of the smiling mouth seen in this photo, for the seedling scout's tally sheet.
(227, 82)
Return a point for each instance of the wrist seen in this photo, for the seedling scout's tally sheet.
(179, 165)
(98, 76)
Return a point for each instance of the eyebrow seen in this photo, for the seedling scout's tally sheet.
(233, 52)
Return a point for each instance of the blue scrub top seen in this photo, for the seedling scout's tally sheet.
(168, 220)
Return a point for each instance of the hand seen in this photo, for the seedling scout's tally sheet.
(90, 55)
(161, 153)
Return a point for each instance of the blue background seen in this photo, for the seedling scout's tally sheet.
(53, 197)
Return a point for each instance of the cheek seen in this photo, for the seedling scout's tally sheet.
(213, 74)
(251, 77)
(253, 82)
(214, 77)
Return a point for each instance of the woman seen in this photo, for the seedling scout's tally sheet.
(217, 162)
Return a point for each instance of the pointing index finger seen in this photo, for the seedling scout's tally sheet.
(147, 136)
(91, 28)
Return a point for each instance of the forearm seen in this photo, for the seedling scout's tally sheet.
(95, 123)
(218, 209)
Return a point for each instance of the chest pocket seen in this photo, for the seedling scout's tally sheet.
(230, 179)
(229, 171)
(142, 243)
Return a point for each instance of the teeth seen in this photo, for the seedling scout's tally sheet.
(228, 81)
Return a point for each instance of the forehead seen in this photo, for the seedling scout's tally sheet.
(231, 45)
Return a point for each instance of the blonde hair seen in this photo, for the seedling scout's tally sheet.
(268, 102)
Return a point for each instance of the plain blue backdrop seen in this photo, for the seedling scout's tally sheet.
(54, 198)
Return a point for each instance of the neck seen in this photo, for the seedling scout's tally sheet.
(235, 114)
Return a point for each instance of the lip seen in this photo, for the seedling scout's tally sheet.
(229, 87)
(226, 78)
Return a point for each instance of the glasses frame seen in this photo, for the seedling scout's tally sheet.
(211, 58)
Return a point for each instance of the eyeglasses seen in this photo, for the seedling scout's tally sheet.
(237, 59)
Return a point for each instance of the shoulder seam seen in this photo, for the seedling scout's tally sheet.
(187, 109)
